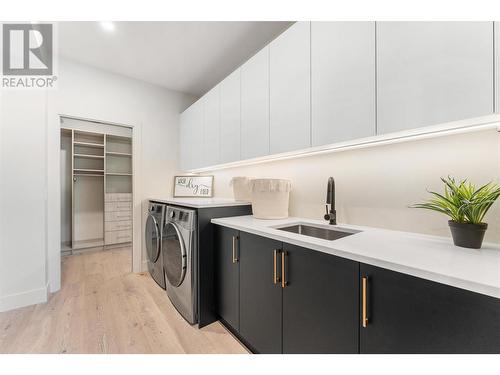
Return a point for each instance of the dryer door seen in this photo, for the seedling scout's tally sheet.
(152, 238)
(174, 254)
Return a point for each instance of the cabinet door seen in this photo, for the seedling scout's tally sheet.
(320, 302)
(198, 135)
(290, 89)
(230, 100)
(342, 81)
(227, 277)
(260, 298)
(191, 137)
(211, 144)
(407, 314)
(497, 66)
(185, 130)
(255, 106)
(433, 72)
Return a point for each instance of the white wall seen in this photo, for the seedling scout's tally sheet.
(375, 185)
(22, 198)
(30, 260)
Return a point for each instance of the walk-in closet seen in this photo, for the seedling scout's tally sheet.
(96, 185)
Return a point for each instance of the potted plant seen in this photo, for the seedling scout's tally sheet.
(466, 205)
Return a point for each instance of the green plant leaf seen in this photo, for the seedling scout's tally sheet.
(462, 201)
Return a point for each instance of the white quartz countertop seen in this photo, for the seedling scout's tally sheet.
(428, 257)
(201, 202)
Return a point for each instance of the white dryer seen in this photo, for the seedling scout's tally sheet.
(179, 248)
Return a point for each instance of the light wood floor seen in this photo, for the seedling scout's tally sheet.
(103, 308)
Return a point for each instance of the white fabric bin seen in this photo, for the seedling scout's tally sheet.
(270, 198)
(241, 188)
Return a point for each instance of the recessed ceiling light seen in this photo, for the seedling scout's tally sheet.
(107, 25)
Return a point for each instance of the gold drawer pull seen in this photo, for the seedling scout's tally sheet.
(364, 282)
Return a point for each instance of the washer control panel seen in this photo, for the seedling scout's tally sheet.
(182, 216)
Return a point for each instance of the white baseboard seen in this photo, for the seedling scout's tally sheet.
(31, 297)
(53, 287)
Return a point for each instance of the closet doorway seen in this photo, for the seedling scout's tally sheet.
(96, 187)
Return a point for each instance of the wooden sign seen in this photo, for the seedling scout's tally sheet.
(193, 186)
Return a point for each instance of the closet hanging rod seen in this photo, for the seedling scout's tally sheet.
(88, 175)
(79, 170)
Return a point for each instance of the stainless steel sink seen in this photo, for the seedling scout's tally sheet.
(324, 233)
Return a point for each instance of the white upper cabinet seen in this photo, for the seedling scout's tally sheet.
(326, 82)
(198, 135)
(342, 81)
(191, 137)
(433, 72)
(290, 94)
(255, 106)
(497, 66)
(184, 135)
(230, 118)
(211, 149)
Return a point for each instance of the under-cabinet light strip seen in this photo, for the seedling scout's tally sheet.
(491, 122)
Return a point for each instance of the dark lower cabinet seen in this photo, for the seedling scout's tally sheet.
(320, 302)
(260, 298)
(227, 278)
(406, 314)
(281, 298)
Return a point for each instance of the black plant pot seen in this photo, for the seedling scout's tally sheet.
(467, 235)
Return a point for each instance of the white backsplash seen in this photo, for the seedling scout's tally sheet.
(375, 186)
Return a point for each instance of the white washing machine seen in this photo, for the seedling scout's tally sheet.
(179, 250)
(154, 223)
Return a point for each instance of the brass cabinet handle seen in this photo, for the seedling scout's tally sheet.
(275, 266)
(235, 259)
(364, 322)
(283, 276)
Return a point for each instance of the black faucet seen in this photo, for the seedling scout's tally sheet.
(331, 214)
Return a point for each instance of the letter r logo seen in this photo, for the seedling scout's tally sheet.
(27, 49)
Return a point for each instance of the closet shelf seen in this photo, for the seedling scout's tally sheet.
(89, 144)
(89, 156)
(88, 175)
(111, 153)
(118, 174)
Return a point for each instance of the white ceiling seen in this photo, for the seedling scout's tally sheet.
(189, 57)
